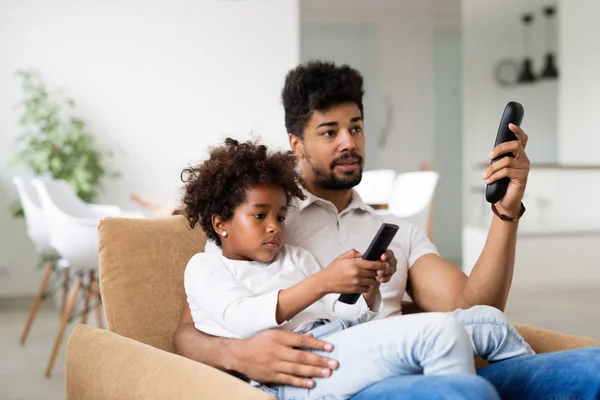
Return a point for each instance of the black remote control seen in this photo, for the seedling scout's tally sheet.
(376, 249)
(513, 114)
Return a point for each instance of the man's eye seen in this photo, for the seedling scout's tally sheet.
(357, 129)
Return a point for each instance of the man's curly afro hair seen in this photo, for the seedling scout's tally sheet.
(317, 86)
(218, 185)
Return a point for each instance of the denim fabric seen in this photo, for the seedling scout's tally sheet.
(428, 343)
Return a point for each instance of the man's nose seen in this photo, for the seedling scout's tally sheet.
(347, 142)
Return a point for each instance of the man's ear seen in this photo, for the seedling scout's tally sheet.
(296, 145)
(218, 224)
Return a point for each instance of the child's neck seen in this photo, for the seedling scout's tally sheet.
(234, 256)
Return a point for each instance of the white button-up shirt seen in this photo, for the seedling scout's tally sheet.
(316, 225)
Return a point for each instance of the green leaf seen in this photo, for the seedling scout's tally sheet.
(55, 143)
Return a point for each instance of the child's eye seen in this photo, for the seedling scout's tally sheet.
(281, 218)
(260, 216)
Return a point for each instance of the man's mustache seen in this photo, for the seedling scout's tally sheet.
(345, 157)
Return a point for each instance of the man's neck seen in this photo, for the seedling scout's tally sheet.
(340, 198)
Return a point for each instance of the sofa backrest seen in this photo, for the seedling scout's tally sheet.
(142, 262)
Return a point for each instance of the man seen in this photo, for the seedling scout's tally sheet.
(324, 119)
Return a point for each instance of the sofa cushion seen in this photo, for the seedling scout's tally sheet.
(142, 262)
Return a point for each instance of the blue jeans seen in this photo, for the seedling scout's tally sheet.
(565, 375)
(428, 343)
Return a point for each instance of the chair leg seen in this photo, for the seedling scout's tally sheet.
(66, 277)
(87, 287)
(96, 292)
(69, 306)
(38, 300)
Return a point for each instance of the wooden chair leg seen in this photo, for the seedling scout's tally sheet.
(70, 305)
(87, 287)
(38, 300)
(99, 309)
(66, 277)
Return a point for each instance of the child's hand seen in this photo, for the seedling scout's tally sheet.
(350, 274)
(385, 275)
(372, 295)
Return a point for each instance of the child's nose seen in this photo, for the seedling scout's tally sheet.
(273, 227)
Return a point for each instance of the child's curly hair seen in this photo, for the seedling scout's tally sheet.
(218, 185)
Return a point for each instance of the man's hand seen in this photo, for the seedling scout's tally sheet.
(275, 356)
(349, 274)
(515, 168)
(384, 275)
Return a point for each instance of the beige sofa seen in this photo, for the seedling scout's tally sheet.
(141, 278)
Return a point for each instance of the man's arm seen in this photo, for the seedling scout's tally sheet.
(436, 285)
(269, 357)
(198, 346)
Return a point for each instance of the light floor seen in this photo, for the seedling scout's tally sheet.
(22, 368)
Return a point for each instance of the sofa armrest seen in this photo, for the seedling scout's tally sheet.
(545, 341)
(103, 365)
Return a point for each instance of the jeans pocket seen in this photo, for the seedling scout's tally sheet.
(322, 331)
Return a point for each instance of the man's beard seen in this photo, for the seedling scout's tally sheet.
(328, 180)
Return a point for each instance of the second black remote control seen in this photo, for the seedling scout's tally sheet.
(513, 114)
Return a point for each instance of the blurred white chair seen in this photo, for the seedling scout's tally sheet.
(74, 233)
(64, 195)
(412, 195)
(39, 233)
(375, 186)
(35, 218)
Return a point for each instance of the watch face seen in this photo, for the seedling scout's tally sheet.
(507, 72)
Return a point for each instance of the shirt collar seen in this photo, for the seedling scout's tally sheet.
(356, 203)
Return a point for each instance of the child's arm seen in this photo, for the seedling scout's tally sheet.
(298, 297)
(339, 277)
(373, 296)
(210, 285)
(364, 310)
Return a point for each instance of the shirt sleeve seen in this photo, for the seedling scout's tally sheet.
(359, 311)
(209, 284)
(420, 245)
(355, 312)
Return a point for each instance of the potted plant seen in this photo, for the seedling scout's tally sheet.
(56, 143)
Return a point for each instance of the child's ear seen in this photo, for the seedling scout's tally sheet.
(218, 224)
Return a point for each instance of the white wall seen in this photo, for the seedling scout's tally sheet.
(492, 32)
(404, 50)
(579, 125)
(560, 116)
(447, 145)
(158, 81)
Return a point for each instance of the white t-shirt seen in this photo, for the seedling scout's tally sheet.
(238, 299)
(315, 225)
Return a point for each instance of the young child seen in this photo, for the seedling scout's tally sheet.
(240, 196)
